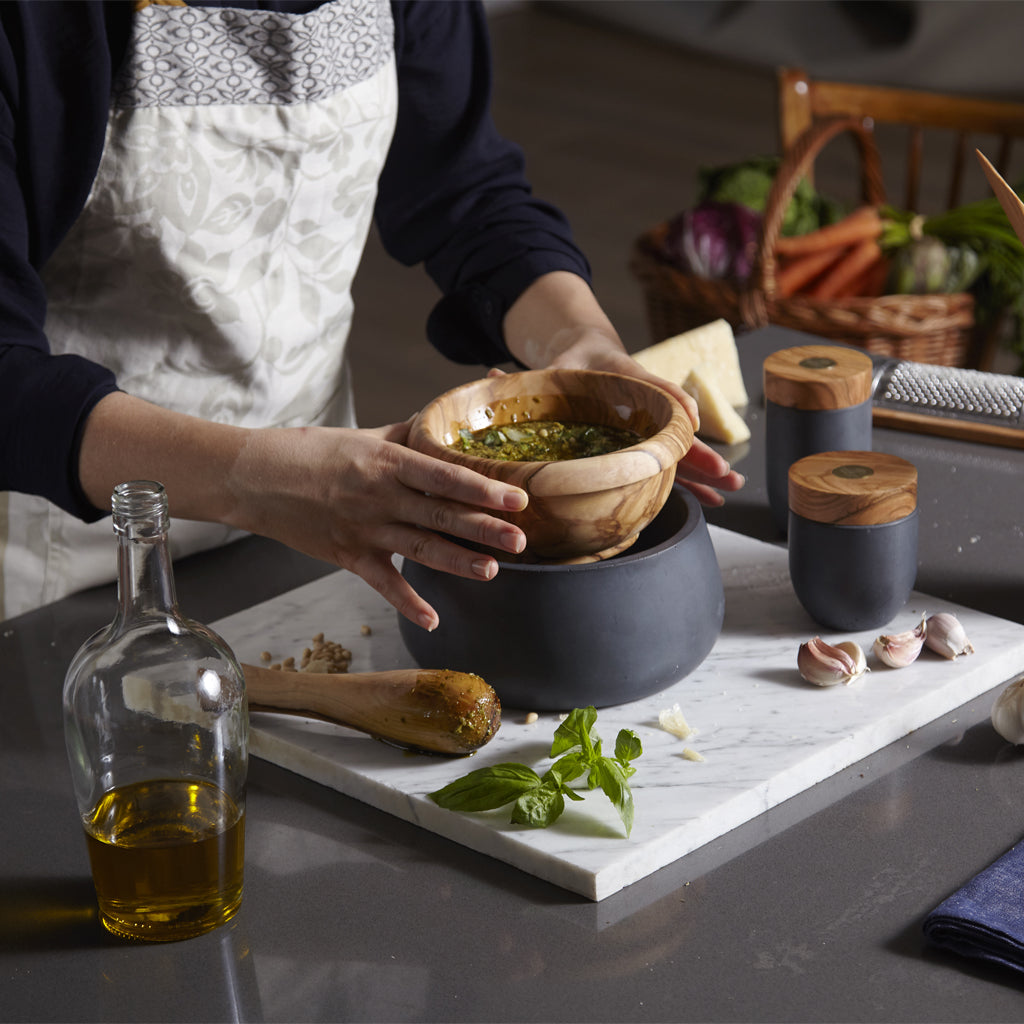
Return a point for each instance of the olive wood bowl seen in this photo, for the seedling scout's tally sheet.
(578, 509)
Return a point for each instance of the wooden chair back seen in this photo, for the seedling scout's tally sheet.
(803, 100)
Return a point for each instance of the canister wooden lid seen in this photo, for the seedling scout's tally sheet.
(815, 377)
(853, 488)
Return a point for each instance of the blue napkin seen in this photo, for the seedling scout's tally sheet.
(985, 919)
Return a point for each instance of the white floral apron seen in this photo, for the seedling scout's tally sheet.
(211, 268)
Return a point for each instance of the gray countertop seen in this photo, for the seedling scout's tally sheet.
(811, 912)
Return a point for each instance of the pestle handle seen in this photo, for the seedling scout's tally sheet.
(436, 710)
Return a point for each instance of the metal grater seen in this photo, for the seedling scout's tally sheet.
(953, 402)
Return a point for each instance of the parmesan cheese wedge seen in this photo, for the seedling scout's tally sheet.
(719, 421)
(711, 345)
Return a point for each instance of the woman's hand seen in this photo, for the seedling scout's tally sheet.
(350, 497)
(702, 470)
(356, 497)
(557, 322)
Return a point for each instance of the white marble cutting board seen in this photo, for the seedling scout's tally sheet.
(765, 734)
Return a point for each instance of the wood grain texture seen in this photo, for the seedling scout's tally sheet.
(817, 377)
(853, 488)
(802, 100)
(440, 711)
(1008, 199)
(943, 426)
(579, 507)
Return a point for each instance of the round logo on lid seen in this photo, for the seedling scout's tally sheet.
(817, 363)
(852, 471)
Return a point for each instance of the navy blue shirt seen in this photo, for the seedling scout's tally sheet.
(453, 196)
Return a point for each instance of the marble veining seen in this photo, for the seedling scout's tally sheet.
(765, 734)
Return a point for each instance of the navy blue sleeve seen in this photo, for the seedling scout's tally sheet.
(55, 74)
(453, 194)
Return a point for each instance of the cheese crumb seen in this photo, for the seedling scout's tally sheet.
(672, 720)
(692, 755)
(532, 717)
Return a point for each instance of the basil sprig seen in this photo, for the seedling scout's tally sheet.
(540, 799)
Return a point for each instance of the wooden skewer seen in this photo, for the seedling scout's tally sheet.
(1008, 199)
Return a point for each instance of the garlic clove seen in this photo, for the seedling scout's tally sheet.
(1008, 713)
(828, 664)
(860, 661)
(945, 635)
(898, 650)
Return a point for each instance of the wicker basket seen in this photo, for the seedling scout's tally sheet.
(921, 328)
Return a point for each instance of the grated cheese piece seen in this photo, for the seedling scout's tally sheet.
(692, 755)
(672, 720)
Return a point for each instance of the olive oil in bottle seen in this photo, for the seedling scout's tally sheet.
(162, 862)
(156, 725)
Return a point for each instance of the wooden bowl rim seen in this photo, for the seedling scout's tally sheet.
(648, 458)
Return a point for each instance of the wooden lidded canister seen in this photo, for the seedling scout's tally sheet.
(817, 399)
(852, 536)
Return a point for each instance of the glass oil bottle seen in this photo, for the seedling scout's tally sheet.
(156, 725)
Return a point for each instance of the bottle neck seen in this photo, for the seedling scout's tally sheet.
(145, 578)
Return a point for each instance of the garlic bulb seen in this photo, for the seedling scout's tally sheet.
(944, 634)
(897, 650)
(828, 664)
(1008, 713)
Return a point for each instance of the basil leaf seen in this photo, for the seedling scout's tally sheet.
(612, 779)
(487, 788)
(539, 801)
(570, 767)
(540, 807)
(575, 731)
(627, 746)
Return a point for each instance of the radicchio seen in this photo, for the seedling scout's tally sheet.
(714, 240)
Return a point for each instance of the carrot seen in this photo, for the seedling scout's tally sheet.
(838, 279)
(865, 285)
(800, 271)
(870, 283)
(864, 222)
(877, 277)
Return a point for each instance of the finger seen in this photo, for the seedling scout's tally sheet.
(377, 569)
(455, 520)
(438, 552)
(732, 481)
(689, 403)
(379, 572)
(704, 494)
(703, 462)
(435, 550)
(457, 483)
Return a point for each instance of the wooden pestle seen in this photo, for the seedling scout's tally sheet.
(435, 710)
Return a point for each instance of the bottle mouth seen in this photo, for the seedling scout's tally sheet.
(140, 503)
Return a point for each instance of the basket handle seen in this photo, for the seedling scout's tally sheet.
(795, 164)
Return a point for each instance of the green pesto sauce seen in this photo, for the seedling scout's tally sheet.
(543, 441)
